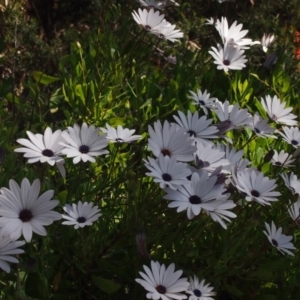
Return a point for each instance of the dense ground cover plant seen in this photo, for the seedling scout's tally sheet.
(165, 139)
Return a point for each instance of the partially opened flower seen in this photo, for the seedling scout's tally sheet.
(203, 100)
(199, 129)
(167, 172)
(294, 211)
(150, 20)
(168, 32)
(266, 41)
(261, 127)
(199, 194)
(291, 182)
(277, 111)
(228, 58)
(233, 35)
(280, 241)
(232, 116)
(256, 186)
(163, 283)
(209, 158)
(43, 148)
(153, 4)
(282, 159)
(199, 290)
(8, 250)
(22, 211)
(83, 143)
(120, 135)
(291, 135)
(231, 154)
(81, 214)
(221, 212)
(171, 140)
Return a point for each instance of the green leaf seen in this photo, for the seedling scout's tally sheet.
(43, 78)
(263, 274)
(234, 291)
(34, 286)
(106, 285)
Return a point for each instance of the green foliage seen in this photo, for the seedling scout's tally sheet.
(93, 64)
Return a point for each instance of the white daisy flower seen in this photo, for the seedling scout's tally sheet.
(282, 159)
(291, 135)
(171, 140)
(168, 32)
(266, 41)
(203, 100)
(256, 186)
(208, 158)
(163, 283)
(22, 211)
(167, 172)
(153, 4)
(199, 194)
(231, 154)
(232, 117)
(280, 241)
(291, 182)
(228, 58)
(81, 214)
(44, 148)
(221, 213)
(199, 290)
(8, 250)
(150, 20)
(261, 127)
(233, 36)
(199, 129)
(83, 143)
(277, 111)
(120, 135)
(294, 211)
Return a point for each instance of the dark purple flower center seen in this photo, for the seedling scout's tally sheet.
(195, 199)
(294, 142)
(161, 289)
(226, 62)
(255, 193)
(147, 27)
(274, 243)
(84, 149)
(256, 130)
(161, 36)
(278, 163)
(165, 152)
(25, 215)
(48, 153)
(166, 177)
(191, 132)
(197, 293)
(202, 164)
(81, 219)
(201, 102)
(292, 189)
(119, 140)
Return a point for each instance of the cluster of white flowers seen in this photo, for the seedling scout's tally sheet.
(23, 211)
(230, 55)
(195, 173)
(166, 284)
